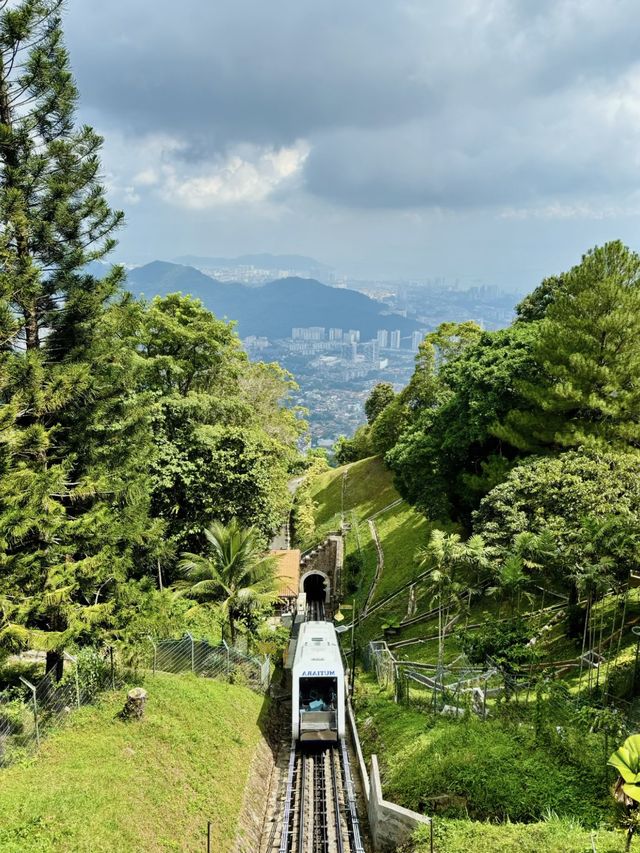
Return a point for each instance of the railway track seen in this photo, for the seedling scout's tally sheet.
(319, 814)
(315, 611)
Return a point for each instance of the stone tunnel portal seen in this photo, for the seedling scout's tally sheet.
(317, 586)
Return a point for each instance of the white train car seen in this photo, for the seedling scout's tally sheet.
(317, 689)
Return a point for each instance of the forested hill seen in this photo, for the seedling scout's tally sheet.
(274, 309)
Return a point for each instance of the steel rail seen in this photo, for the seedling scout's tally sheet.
(288, 803)
(357, 845)
(336, 802)
(301, 804)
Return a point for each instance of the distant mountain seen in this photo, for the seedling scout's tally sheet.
(274, 309)
(263, 261)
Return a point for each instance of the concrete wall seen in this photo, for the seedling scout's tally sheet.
(389, 825)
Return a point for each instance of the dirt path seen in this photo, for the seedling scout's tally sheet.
(379, 566)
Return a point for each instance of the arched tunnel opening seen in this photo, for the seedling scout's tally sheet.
(314, 586)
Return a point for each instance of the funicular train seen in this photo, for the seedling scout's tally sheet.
(318, 684)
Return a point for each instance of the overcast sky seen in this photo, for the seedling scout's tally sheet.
(485, 140)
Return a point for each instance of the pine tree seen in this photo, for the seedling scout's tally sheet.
(588, 349)
(74, 437)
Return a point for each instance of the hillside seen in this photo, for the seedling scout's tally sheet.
(365, 493)
(102, 785)
(274, 309)
(468, 772)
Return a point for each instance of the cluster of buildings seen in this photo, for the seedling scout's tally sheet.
(384, 339)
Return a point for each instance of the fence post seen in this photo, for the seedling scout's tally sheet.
(155, 652)
(193, 652)
(74, 661)
(224, 643)
(265, 672)
(35, 707)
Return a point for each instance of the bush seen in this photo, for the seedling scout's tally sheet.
(353, 569)
(504, 642)
(13, 716)
(94, 671)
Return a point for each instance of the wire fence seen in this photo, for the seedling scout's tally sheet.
(202, 658)
(32, 708)
(460, 686)
(449, 688)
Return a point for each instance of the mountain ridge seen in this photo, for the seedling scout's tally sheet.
(262, 260)
(275, 308)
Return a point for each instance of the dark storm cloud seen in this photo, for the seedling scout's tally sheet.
(247, 71)
(402, 104)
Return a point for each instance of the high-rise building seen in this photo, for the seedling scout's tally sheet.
(416, 340)
(354, 351)
(335, 334)
(395, 339)
(316, 333)
(354, 335)
(383, 338)
(374, 352)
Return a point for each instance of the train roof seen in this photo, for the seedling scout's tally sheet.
(317, 651)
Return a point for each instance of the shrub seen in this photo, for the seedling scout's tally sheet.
(13, 716)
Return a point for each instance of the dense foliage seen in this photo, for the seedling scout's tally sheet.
(448, 454)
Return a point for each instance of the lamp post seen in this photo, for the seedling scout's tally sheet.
(340, 630)
(636, 633)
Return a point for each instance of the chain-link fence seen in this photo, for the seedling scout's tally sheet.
(33, 707)
(451, 688)
(202, 658)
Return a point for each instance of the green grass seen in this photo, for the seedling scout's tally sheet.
(368, 489)
(100, 784)
(556, 835)
(402, 531)
(359, 540)
(493, 770)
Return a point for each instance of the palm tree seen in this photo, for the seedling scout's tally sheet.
(443, 555)
(511, 580)
(236, 572)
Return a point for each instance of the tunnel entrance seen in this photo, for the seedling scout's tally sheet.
(316, 586)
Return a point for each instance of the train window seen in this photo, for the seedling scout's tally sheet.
(318, 694)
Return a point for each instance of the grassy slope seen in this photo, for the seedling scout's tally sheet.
(402, 531)
(104, 785)
(555, 835)
(496, 768)
(420, 761)
(368, 489)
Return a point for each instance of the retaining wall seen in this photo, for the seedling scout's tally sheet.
(389, 825)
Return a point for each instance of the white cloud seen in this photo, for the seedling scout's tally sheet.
(248, 174)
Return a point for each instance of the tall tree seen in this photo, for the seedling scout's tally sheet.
(225, 441)
(588, 349)
(74, 439)
(447, 456)
(378, 400)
